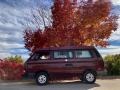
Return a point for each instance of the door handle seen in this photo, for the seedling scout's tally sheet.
(69, 64)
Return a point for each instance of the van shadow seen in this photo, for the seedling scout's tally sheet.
(67, 85)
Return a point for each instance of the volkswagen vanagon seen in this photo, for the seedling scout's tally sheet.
(83, 62)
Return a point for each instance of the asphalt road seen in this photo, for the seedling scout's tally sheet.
(112, 84)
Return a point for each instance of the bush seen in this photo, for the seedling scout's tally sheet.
(16, 59)
(113, 64)
(10, 70)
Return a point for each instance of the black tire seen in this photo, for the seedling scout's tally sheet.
(42, 78)
(89, 77)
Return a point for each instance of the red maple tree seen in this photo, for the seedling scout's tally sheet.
(75, 22)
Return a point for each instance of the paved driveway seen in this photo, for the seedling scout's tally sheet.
(113, 84)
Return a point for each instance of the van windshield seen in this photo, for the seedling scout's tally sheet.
(40, 56)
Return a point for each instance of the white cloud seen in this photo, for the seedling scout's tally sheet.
(116, 2)
(3, 55)
(116, 35)
(110, 50)
(8, 45)
(11, 30)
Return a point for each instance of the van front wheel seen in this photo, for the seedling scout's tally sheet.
(89, 77)
(42, 79)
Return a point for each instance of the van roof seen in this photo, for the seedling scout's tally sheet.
(66, 48)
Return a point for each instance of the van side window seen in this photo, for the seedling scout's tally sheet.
(83, 54)
(63, 54)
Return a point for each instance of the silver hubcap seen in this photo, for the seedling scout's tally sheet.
(90, 77)
(42, 79)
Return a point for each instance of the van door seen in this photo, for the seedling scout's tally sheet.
(64, 61)
(39, 61)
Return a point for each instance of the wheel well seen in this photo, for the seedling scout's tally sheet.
(42, 71)
(90, 70)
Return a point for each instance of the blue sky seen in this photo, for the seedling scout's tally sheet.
(16, 14)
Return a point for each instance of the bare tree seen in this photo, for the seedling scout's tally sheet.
(41, 17)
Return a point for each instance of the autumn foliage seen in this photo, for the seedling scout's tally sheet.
(74, 22)
(10, 70)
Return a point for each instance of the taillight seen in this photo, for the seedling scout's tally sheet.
(100, 65)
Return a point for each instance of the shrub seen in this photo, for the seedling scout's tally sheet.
(10, 70)
(113, 64)
(16, 59)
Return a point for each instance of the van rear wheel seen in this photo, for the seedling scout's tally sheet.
(42, 78)
(89, 77)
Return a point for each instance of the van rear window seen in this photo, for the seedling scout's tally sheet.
(83, 54)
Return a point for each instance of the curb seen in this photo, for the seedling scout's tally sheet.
(108, 77)
(16, 81)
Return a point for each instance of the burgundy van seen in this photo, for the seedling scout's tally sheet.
(63, 62)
